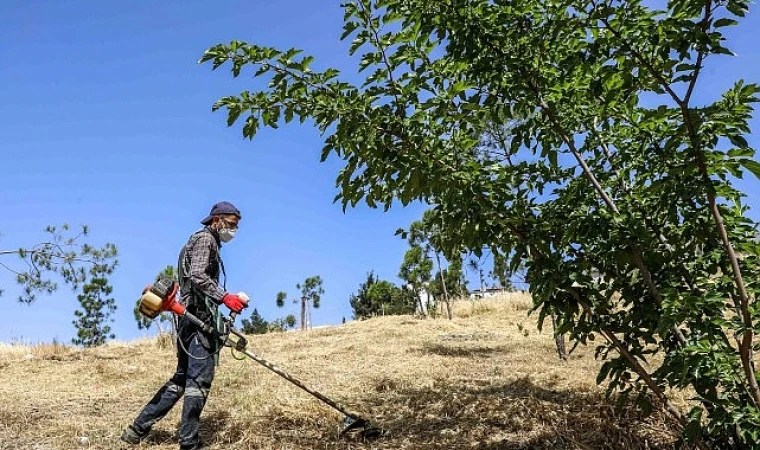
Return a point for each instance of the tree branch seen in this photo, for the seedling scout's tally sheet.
(637, 258)
(626, 44)
(645, 376)
(378, 43)
(9, 269)
(746, 344)
(701, 53)
(592, 178)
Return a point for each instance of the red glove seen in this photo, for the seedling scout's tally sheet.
(234, 302)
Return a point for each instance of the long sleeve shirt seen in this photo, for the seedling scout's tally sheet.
(200, 267)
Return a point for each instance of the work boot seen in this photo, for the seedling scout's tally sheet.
(132, 436)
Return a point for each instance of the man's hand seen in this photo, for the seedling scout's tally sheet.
(235, 302)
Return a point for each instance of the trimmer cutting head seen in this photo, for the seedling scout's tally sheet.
(366, 430)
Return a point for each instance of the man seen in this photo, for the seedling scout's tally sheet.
(197, 352)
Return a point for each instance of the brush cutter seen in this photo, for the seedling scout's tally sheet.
(161, 296)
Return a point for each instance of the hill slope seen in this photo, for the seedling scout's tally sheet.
(486, 380)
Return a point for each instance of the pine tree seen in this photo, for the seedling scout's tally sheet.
(256, 325)
(64, 254)
(377, 297)
(96, 304)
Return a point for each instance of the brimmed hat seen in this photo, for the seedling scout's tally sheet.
(221, 208)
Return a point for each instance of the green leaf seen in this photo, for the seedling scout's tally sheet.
(752, 166)
(738, 140)
(725, 22)
(736, 8)
(306, 63)
(553, 158)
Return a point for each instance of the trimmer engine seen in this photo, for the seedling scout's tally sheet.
(160, 297)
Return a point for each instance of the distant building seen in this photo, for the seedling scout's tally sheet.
(487, 292)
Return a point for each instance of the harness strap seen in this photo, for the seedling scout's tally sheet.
(197, 297)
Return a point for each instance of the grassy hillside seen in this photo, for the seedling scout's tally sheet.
(486, 380)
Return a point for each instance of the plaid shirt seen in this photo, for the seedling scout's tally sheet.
(200, 265)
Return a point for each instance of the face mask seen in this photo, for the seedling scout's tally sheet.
(226, 235)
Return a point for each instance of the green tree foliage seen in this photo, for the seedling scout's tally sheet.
(282, 324)
(281, 296)
(312, 290)
(360, 302)
(256, 324)
(163, 320)
(456, 285)
(95, 301)
(563, 134)
(455, 278)
(381, 294)
(416, 270)
(62, 254)
(501, 272)
(377, 297)
(429, 234)
(311, 295)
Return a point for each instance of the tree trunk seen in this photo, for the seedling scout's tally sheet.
(443, 285)
(303, 313)
(559, 340)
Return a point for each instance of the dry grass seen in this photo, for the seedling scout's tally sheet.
(486, 380)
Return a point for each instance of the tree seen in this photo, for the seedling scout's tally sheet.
(282, 324)
(377, 297)
(565, 135)
(456, 285)
(163, 318)
(361, 302)
(415, 270)
(403, 301)
(501, 272)
(63, 254)
(95, 301)
(380, 295)
(390, 300)
(428, 234)
(455, 279)
(281, 296)
(256, 324)
(311, 294)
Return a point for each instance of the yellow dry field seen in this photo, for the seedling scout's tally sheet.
(486, 380)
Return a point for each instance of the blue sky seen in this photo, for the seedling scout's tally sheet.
(105, 120)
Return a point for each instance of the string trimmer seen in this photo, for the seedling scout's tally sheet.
(161, 296)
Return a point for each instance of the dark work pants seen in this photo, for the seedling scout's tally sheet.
(193, 377)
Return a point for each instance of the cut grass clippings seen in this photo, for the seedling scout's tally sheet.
(485, 380)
